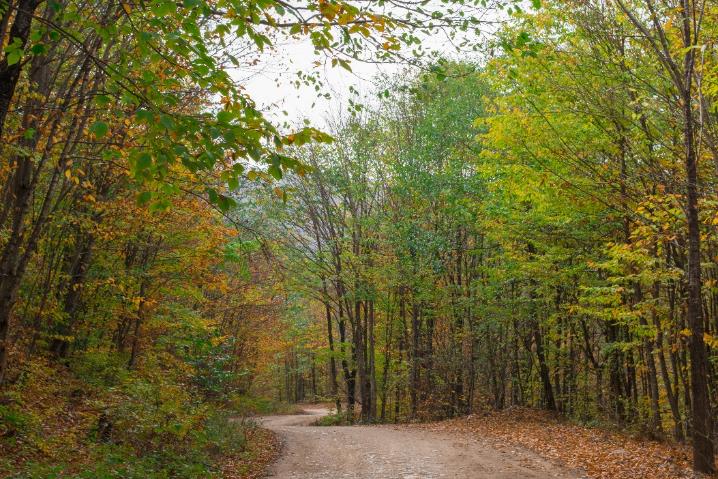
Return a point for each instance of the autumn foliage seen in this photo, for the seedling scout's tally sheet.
(532, 228)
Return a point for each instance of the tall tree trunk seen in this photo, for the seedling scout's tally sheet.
(415, 371)
(371, 365)
(387, 359)
(77, 272)
(349, 375)
(703, 453)
(648, 346)
(359, 350)
(547, 395)
(548, 399)
(334, 387)
(135, 349)
(10, 74)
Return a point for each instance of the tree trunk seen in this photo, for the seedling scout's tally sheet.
(703, 454)
(10, 74)
(77, 272)
(371, 365)
(332, 362)
(415, 372)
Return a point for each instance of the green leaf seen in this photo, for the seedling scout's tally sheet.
(144, 116)
(144, 161)
(102, 100)
(275, 171)
(99, 129)
(167, 122)
(213, 196)
(224, 116)
(13, 57)
(144, 197)
(164, 8)
(225, 203)
(163, 204)
(38, 49)
(56, 6)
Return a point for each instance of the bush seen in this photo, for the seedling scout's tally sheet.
(155, 416)
(152, 422)
(117, 462)
(223, 434)
(14, 422)
(100, 368)
(192, 458)
(259, 406)
(336, 419)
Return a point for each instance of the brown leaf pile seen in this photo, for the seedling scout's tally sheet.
(598, 453)
(262, 449)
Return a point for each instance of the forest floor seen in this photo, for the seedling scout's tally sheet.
(397, 452)
(597, 452)
(263, 447)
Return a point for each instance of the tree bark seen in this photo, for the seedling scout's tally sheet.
(10, 74)
(703, 453)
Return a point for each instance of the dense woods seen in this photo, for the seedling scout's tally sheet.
(530, 225)
(534, 231)
(133, 318)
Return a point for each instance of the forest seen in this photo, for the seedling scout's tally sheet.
(524, 218)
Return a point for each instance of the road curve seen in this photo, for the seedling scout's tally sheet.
(391, 452)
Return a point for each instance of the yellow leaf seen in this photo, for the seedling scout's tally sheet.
(345, 18)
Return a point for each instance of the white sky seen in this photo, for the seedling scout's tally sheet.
(273, 90)
(272, 87)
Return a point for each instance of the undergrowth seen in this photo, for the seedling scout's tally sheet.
(335, 419)
(97, 420)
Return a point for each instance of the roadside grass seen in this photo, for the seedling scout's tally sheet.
(336, 419)
(260, 406)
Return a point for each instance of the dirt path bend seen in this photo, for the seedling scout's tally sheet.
(388, 452)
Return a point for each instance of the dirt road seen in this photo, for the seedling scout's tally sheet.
(389, 452)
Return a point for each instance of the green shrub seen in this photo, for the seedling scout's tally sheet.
(14, 422)
(223, 434)
(100, 368)
(337, 419)
(117, 462)
(155, 416)
(248, 405)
